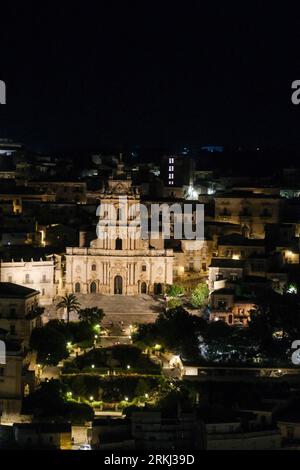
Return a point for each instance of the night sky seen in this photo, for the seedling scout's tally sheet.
(149, 74)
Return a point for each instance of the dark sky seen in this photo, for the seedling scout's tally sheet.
(149, 73)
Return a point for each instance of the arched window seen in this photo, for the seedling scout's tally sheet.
(77, 287)
(118, 244)
(93, 288)
(94, 267)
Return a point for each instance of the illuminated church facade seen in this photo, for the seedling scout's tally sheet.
(119, 261)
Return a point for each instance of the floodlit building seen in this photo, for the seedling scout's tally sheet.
(120, 261)
(44, 435)
(19, 311)
(11, 382)
(38, 274)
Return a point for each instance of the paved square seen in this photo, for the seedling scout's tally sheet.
(117, 308)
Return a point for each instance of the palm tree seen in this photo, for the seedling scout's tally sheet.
(69, 302)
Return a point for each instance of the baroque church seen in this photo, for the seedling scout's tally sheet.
(119, 261)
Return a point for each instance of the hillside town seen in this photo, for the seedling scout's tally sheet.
(116, 340)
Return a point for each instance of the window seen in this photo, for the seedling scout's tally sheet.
(27, 279)
(12, 312)
(144, 268)
(77, 287)
(171, 160)
(222, 304)
(12, 329)
(118, 244)
(9, 279)
(1, 371)
(171, 176)
(94, 267)
(171, 168)
(43, 291)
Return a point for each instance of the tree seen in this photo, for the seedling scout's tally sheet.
(74, 332)
(174, 290)
(50, 345)
(70, 303)
(49, 401)
(275, 323)
(92, 315)
(174, 329)
(146, 335)
(174, 303)
(142, 388)
(179, 331)
(199, 295)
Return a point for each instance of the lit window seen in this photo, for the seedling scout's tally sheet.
(171, 168)
(171, 160)
(171, 176)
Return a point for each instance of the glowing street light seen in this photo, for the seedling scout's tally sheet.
(126, 398)
(128, 367)
(91, 398)
(93, 366)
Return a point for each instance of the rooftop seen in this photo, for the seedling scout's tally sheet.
(10, 290)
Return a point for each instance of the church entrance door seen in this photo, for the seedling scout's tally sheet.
(118, 285)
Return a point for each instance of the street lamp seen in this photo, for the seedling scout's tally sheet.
(91, 398)
(128, 367)
(93, 366)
